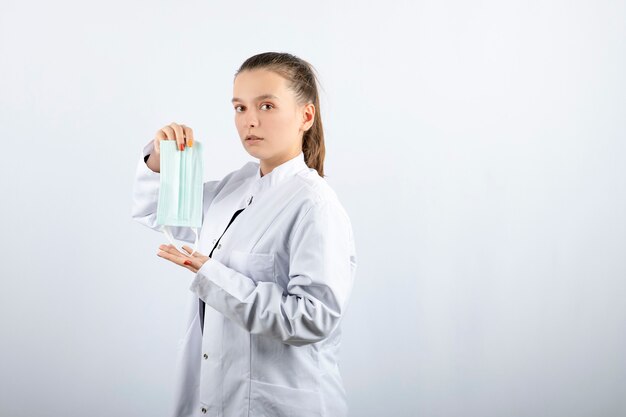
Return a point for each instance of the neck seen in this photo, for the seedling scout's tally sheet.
(268, 165)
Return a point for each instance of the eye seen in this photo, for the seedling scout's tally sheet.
(267, 104)
(236, 107)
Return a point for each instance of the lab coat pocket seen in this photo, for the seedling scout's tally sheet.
(281, 401)
(257, 266)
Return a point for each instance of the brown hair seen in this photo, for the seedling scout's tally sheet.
(302, 81)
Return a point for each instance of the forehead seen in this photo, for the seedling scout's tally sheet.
(251, 84)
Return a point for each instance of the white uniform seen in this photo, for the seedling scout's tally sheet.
(275, 290)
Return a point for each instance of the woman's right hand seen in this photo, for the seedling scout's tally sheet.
(183, 135)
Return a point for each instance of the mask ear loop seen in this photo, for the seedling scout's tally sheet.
(168, 233)
(195, 245)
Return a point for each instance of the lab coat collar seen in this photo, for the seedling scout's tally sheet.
(283, 171)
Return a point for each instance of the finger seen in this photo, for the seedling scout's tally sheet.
(196, 254)
(170, 134)
(171, 257)
(167, 133)
(158, 137)
(173, 250)
(189, 251)
(177, 260)
(180, 136)
(171, 253)
(168, 248)
(188, 135)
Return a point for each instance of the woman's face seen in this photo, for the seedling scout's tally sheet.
(266, 108)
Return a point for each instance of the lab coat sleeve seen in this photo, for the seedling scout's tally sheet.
(146, 198)
(321, 272)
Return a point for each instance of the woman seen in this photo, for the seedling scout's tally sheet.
(263, 332)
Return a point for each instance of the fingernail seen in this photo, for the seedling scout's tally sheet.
(190, 143)
(187, 262)
(182, 147)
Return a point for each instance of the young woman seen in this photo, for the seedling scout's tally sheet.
(276, 258)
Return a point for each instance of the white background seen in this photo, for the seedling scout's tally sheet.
(478, 147)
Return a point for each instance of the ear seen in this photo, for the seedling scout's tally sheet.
(308, 116)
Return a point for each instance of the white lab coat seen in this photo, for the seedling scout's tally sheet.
(275, 290)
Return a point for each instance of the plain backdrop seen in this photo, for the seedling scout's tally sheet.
(478, 147)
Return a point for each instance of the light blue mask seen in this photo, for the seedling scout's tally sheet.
(181, 188)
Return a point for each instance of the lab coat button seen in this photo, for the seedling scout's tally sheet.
(214, 240)
(205, 356)
(219, 246)
(204, 410)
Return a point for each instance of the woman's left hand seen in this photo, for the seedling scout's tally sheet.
(192, 263)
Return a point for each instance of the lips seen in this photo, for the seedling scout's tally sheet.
(253, 137)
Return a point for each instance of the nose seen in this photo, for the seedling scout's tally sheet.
(251, 120)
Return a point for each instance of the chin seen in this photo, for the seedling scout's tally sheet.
(256, 153)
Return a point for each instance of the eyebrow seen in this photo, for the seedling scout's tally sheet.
(261, 97)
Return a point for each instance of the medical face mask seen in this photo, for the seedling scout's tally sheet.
(181, 188)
